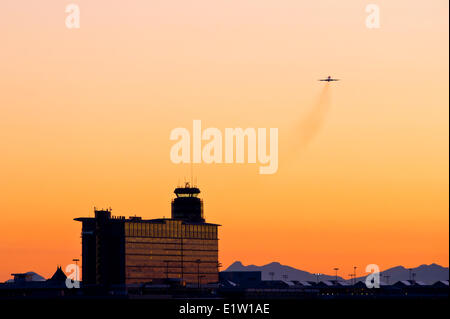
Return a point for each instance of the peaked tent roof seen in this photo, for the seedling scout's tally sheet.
(59, 275)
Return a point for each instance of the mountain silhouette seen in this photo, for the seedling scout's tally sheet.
(279, 271)
(428, 274)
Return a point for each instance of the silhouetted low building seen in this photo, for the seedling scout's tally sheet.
(241, 278)
(441, 284)
(58, 276)
(304, 284)
(409, 283)
(22, 278)
(31, 285)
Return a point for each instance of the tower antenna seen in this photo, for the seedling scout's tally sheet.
(192, 173)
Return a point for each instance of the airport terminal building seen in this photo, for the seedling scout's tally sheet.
(124, 251)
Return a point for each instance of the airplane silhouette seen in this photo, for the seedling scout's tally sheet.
(329, 79)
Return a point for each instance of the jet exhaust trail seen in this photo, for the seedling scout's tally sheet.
(310, 124)
(313, 120)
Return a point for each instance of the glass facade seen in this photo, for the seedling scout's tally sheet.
(170, 248)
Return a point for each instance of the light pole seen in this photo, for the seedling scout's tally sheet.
(354, 274)
(198, 261)
(167, 268)
(351, 278)
(182, 260)
(336, 270)
(76, 260)
(317, 276)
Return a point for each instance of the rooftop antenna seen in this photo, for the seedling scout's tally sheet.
(76, 260)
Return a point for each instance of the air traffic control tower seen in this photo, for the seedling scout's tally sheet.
(187, 206)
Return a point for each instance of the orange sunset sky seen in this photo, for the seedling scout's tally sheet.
(85, 118)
